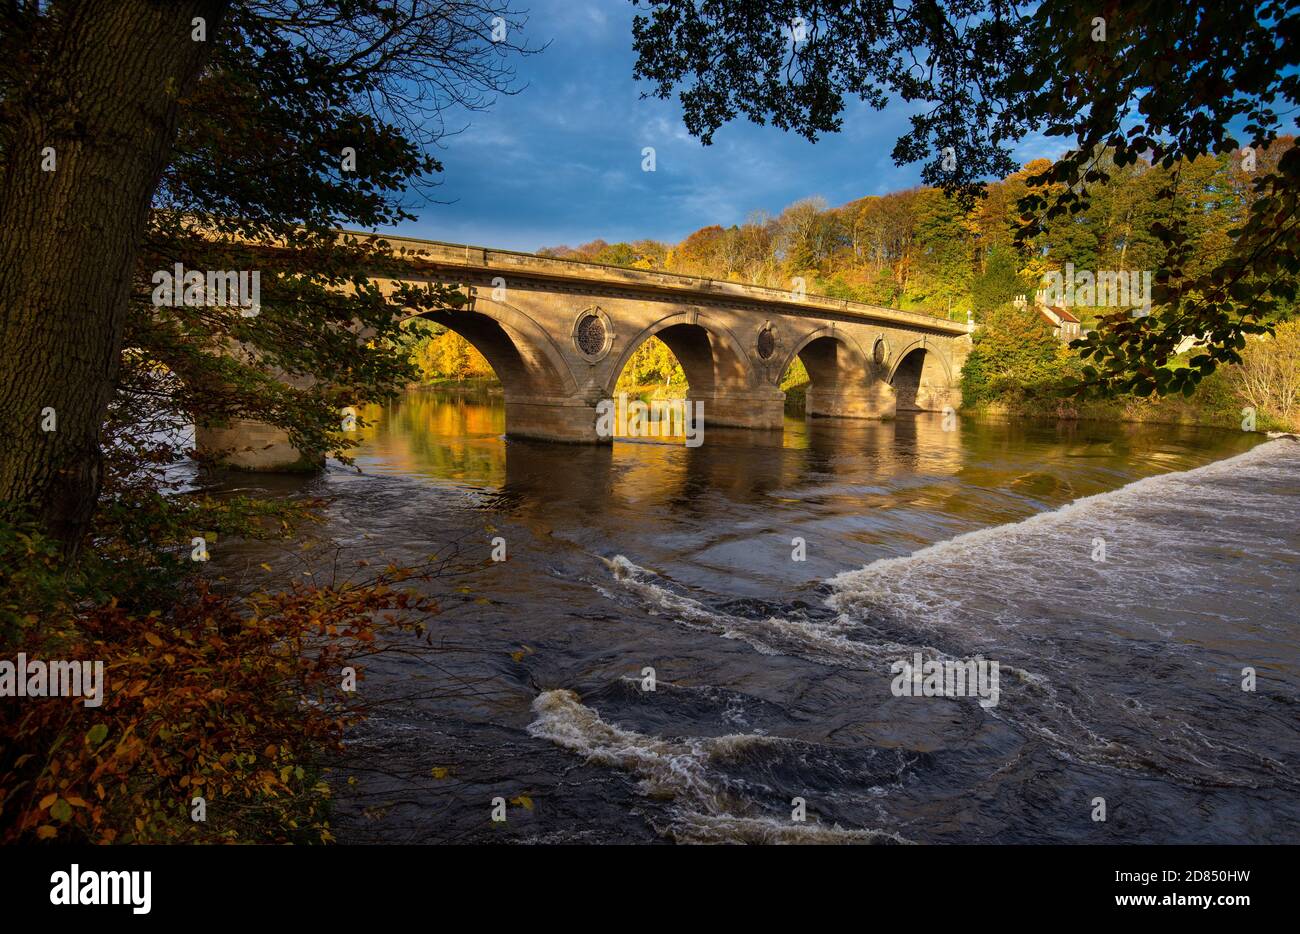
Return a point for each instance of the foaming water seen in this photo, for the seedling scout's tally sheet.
(1131, 604)
(1149, 542)
(1120, 679)
(1143, 555)
(682, 770)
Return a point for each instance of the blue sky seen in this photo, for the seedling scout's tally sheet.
(560, 163)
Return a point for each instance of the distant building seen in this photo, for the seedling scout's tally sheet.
(1065, 326)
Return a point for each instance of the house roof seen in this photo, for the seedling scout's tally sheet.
(1062, 314)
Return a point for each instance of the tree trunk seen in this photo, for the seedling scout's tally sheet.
(103, 95)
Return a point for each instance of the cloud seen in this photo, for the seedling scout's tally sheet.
(561, 161)
(1039, 146)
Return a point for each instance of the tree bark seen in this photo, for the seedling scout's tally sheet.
(103, 95)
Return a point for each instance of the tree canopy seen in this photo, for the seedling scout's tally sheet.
(263, 127)
(1145, 80)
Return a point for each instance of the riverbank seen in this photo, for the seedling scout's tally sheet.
(1216, 406)
(1207, 411)
(471, 385)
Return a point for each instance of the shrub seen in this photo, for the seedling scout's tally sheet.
(1014, 352)
(227, 697)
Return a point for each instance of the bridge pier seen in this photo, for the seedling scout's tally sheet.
(761, 409)
(875, 400)
(574, 420)
(567, 420)
(245, 444)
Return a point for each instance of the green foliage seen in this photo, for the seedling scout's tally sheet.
(1014, 351)
(1177, 87)
(795, 386)
(795, 375)
(256, 182)
(943, 261)
(1000, 282)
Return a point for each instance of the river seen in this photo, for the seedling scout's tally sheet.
(1123, 577)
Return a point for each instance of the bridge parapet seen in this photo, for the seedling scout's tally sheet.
(453, 256)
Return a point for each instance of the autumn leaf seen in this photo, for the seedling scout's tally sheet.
(523, 801)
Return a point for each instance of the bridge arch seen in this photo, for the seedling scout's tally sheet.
(831, 357)
(711, 356)
(523, 355)
(842, 383)
(921, 377)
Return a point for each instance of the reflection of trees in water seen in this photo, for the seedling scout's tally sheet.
(460, 436)
(817, 467)
(451, 435)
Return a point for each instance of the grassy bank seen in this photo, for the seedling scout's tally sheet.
(648, 392)
(469, 384)
(1215, 405)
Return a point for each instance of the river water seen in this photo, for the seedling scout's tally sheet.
(1123, 577)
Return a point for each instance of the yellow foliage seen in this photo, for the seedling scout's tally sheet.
(450, 356)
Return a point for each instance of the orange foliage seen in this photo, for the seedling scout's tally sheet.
(228, 701)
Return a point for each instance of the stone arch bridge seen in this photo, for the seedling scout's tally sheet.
(559, 332)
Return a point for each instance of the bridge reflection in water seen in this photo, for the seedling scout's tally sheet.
(461, 437)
